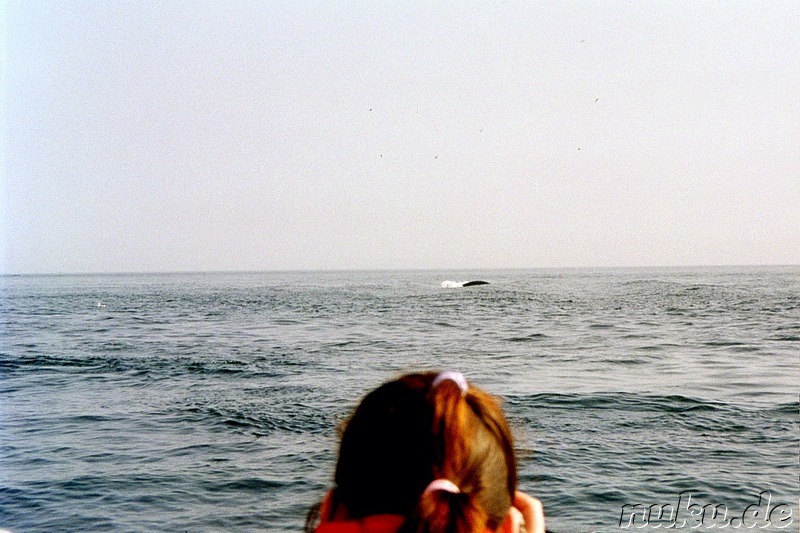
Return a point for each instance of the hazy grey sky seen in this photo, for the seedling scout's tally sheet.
(191, 135)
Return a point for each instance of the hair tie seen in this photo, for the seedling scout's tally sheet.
(442, 484)
(452, 375)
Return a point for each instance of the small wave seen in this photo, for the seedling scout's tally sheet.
(718, 344)
(787, 408)
(622, 401)
(528, 338)
(651, 348)
(746, 349)
(49, 361)
(610, 495)
(624, 361)
(257, 485)
(343, 344)
(217, 367)
(89, 418)
(266, 419)
(785, 338)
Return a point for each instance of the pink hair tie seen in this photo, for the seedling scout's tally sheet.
(458, 377)
(442, 484)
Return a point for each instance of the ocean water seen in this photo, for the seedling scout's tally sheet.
(209, 402)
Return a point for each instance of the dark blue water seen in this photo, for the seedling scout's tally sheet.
(201, 402)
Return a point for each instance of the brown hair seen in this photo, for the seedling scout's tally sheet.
(405, 434)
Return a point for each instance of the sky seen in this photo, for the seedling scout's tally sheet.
(158, 136)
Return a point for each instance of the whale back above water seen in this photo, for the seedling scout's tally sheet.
(455, 284)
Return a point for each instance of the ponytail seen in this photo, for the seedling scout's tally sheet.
(450, 503)
(440, 511)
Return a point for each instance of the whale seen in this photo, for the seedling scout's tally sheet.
(454, 284)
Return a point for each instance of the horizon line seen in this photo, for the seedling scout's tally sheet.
(372, 269)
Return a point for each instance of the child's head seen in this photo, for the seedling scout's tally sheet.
(420, 428)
